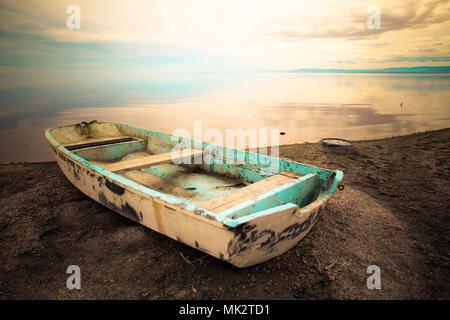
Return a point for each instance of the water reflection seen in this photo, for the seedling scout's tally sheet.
(305, 106)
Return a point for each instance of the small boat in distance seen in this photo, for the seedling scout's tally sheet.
(238, 206)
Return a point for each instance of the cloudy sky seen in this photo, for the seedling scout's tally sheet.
(217, 35)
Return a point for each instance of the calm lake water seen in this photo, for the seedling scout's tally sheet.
(307, 107)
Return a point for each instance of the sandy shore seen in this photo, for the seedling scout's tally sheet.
(393, 212)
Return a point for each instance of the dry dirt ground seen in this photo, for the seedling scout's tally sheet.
(393, 212)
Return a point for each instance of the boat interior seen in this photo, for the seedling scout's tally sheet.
(232, 189)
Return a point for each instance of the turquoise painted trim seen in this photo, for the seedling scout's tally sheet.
(294, 192)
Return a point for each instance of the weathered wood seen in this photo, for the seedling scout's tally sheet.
(152, 160)
(247, 193)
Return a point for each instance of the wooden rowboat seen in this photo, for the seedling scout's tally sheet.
(237, 206)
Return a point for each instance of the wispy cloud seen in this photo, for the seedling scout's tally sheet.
(350, 22)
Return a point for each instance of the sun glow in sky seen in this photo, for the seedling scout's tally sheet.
(216, 35)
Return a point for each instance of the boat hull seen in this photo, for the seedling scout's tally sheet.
(247, 244)
(271, 233)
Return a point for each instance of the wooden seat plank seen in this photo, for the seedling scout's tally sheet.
(232, 199)
(152, 160)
